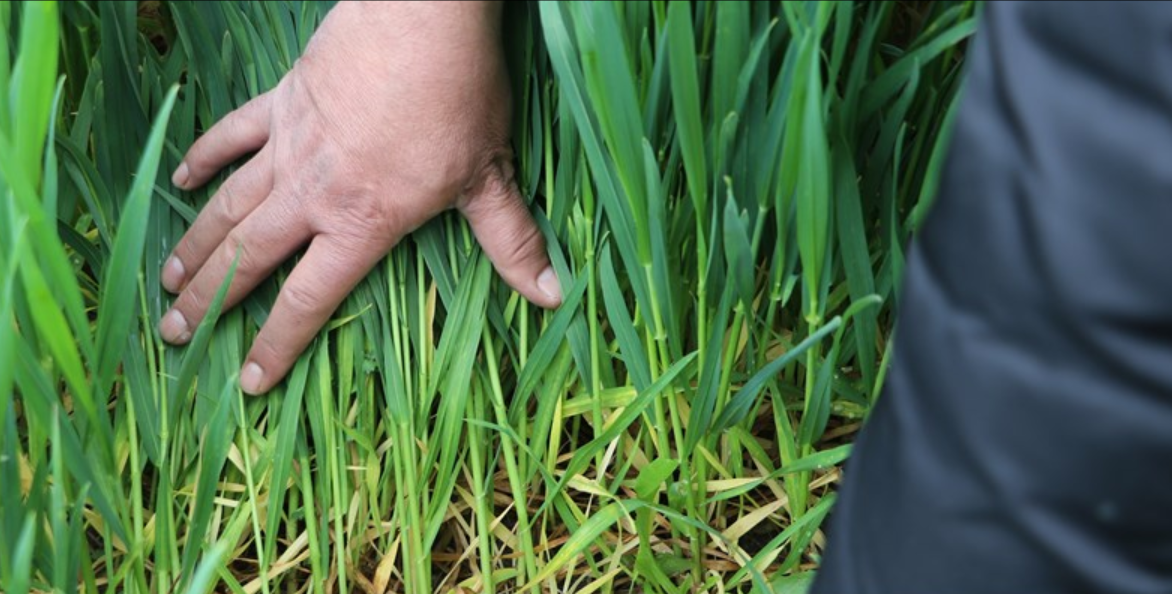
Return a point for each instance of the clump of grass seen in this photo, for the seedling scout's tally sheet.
(725, 187)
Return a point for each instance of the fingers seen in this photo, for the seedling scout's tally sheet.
(235, 135)
(320, 282)
(236, 198)
(265, 239)
(510, 237)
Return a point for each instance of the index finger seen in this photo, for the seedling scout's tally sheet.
(235, 135)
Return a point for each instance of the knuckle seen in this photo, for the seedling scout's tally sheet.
(187, 253)
(198, 155)
(267, 351)
(234, 118)
(360, 209)
(236, 249)
(229, 210)
(193, 303)
(235, 246)
(363, 215)
(494, 180)
(524, 245)
(301, 299)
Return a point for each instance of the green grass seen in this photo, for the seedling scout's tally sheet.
(726, 188)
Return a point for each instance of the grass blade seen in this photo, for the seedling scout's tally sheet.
(120, 285)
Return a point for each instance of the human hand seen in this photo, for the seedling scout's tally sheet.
(396, 112)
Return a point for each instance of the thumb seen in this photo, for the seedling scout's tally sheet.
(509, 235)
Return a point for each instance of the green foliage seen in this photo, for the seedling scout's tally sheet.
(726, 188)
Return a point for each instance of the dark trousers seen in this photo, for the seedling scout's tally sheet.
(1023, 442)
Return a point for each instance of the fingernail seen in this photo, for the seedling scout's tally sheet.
(547, 281)
(250, 378)
(181, 176)
(174, 328)
(173, 274)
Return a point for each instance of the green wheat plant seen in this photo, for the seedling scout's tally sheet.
(726, 190)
